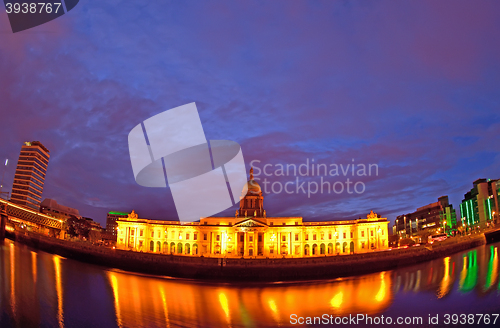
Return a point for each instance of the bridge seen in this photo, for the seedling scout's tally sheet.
(18, 214)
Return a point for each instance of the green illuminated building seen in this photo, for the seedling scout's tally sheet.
(111, 224)
(479, 208)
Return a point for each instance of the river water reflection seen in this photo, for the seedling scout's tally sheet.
(44, 290)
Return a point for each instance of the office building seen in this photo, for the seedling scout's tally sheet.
(30, 175)
(479, 208)
(111, 224)
(433, 218)
(52, 208)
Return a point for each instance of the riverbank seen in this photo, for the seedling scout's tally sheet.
(257, 270)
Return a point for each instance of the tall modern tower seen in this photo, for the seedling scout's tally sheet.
(30, 175)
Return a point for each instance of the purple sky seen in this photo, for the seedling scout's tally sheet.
(410, 85)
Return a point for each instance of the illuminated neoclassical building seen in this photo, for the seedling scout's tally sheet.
(251, 233)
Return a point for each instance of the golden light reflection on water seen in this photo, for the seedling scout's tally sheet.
(243, 305)
(165, 307)
(381, 292)
(12, 255)
(336, 301)
(59, 290)
(446, 282)
(114, 285)
(33, 265)
(224, 305)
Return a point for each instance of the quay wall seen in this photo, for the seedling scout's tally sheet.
(257, 270)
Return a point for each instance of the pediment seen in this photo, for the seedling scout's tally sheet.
(250, 223)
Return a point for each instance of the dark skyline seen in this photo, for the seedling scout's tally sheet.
(410, 86)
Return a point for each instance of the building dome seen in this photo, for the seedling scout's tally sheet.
(253, 187)
(251, 201)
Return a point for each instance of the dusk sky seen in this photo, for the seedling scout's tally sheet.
(412, 86)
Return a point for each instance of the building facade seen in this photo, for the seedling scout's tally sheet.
(52, 208)
(111, 224)
(436, 217)
(251, 233)
(30, 175)
(480, 206)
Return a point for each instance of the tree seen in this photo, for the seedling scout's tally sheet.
(77, 227)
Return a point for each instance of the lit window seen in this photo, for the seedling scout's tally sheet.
(204, 236)
(141, 233)
(344, 235)
(371, 233)
(217, 237)
(250, 238)
(307, 236)
(296, 237)
(329, 235)
(322, 236)
(351, 234)
(187, 236)
(195, 236)
(314, 236)
(362, 234)
(283, 238)
(152, 234)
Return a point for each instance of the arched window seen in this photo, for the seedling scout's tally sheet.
(179, 248)
(158, 247)
(306, 250)
(322, 249)
(195, 249)
(337, 247)
(315, 249)
(188, 249)
(172, 248)
(330, 248)
(152, 246)
(165, 248)
(351, 246)
(344, 246)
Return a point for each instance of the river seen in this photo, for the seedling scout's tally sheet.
(44, 290)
